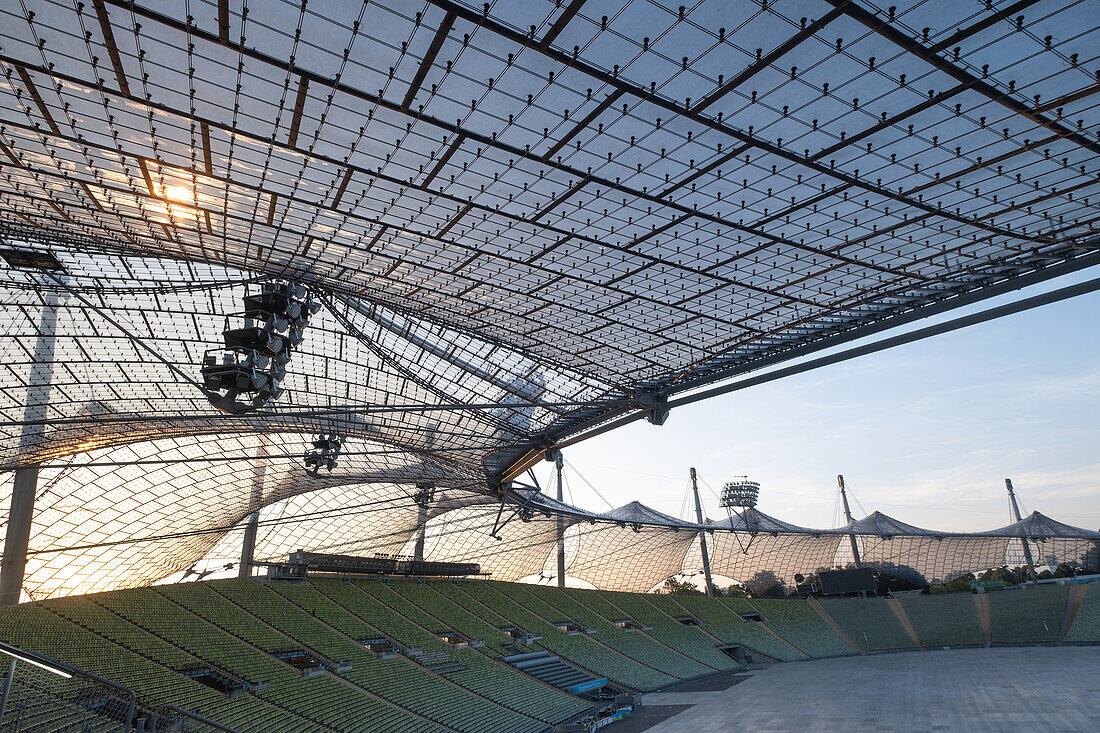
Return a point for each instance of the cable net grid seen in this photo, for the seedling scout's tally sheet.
(101, 526)
(126, 357)
(603, 218)
(318, 112)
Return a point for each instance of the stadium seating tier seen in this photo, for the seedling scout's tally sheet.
(1032, 616)
(802, 626)
(944, 620)
(1086, 624)
(147, 638)
(871, 623)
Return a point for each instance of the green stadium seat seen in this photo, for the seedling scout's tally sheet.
(587, 653)
(146, 638)
(1086, 625)
(948, 619)
(721, 618)
(869, 622)
(1032, 616)
(650, 610)
(802, 626)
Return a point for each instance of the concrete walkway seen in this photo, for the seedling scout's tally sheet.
(1001, 689)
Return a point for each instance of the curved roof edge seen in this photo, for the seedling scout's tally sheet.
(877, 524)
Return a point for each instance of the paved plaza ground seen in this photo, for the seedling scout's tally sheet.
(972, 690)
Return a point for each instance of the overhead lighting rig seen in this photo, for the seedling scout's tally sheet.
(425, 495)
(326, 451)
(247, 373)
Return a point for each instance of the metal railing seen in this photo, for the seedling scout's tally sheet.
(42, 693)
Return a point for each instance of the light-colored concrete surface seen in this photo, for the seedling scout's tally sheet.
(972, 690)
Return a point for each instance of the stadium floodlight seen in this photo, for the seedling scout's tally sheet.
(740, 493)
(252, 366)
(276, 324)
(296, 336)
(326, 451)
(425, 494)
(253, 338)
(257, 360)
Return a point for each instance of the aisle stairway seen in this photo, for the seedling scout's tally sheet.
(553, 671)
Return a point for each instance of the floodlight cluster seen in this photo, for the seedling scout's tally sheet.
(741, 493)
(248, 373)
(326, 449)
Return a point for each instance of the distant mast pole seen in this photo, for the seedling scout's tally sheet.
(702, 535)
(558, 461)
(1023, 540)
(848, 518)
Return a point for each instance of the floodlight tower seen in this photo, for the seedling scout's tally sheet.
(247, 373)
(326, 449)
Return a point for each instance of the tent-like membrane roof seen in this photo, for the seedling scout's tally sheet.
(523, 220)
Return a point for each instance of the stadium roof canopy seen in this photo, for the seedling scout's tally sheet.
(524, 220)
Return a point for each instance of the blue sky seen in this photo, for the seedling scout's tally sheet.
(925, 432)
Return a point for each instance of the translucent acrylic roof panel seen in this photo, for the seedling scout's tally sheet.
(518, 548)
(522, 220)
(626, 556)
(130, 515)
(931, 559)
(750, 559)
(349, 519)
(627, 196)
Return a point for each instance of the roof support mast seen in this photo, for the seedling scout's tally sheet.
(17, 539)
(425, 494)
(702, 535)
(555, 455)
(848, 518)
(256, 502)
(1023, 540)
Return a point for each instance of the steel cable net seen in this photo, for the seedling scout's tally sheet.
(637, 550)
(71, 705)
(1051, 542)
(920, 555)
(561, 181)
(465, 536)
(349, 518)
(125, 339)
(535, 207)
(932, 559)
(99, 527)
(760, 551)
